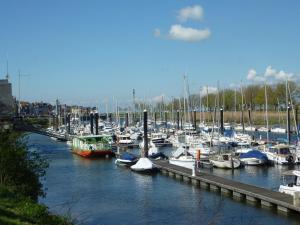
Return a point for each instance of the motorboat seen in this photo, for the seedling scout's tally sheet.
(290, 182)
(253, 157)
(126, 159)
(280, 154)
(225, 161)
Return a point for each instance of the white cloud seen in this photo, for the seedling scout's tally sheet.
(178, 32)
(156, 32)
(270, 72)
(159, 98)
(191, 12)
(252, 75)
(284, 76)
(281, 75)
(208, 90)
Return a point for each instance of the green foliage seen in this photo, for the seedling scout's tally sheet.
(20, 169)
(38, 122)
(20, 210)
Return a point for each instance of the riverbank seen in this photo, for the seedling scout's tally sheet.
(20, 210)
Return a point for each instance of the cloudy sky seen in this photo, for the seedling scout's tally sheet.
(88, 52)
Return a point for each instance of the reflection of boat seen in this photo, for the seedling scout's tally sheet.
(291, 182)
(253, 157)
(226, 161)
(278, 130)
(143, 165)
(92, 146)
(126, 159)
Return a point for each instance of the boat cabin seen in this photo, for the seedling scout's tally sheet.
(280, 149)
(291, 178)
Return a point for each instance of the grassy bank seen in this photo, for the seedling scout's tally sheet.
(20, 210)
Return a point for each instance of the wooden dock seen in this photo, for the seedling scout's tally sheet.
(250, 193)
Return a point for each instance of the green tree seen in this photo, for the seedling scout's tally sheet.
(20, 168)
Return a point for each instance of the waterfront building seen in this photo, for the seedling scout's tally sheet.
(6, 99)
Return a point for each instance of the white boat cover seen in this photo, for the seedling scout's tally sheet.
(142, 164)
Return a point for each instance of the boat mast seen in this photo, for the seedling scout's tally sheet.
(266, 113)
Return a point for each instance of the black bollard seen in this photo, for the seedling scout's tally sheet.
(181, 123)
(166, 119)
(249, 115)
(126, 120)
(69, 123)
(177, 119)
(155, 118)
(145, 134)
(222, 120)
(96, 123)
(92, 123)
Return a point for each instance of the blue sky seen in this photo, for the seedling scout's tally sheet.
(85, 51)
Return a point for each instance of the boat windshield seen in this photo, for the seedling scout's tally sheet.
(284, 151)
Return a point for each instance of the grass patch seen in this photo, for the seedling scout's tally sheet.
(15, 210)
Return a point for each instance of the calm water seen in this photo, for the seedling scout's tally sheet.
(99, 192)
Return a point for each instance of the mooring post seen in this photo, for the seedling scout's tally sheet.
(222, 120)
(92, 123)
(166, 119)
(126, 120)
(69, 123)
(249, 116)
(177, 119)
(145, 134)
(96, 123)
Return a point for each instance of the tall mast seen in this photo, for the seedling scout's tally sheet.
(267, 119)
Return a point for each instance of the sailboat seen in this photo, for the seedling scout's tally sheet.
(180, 156)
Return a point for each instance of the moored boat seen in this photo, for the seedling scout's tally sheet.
(291, 182)
(144, 165)
(225, 161)
(92, 146)
(126, 159)
(253, 157)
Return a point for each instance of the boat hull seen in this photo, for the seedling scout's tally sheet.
(124, 162)
(225, 164)
(93, 153)
(187, 163)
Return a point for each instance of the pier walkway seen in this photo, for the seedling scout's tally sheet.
(250, 193)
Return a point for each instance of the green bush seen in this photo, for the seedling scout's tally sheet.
(20, 169)
(22, 210)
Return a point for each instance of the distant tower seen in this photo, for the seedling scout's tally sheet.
(7, 74)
